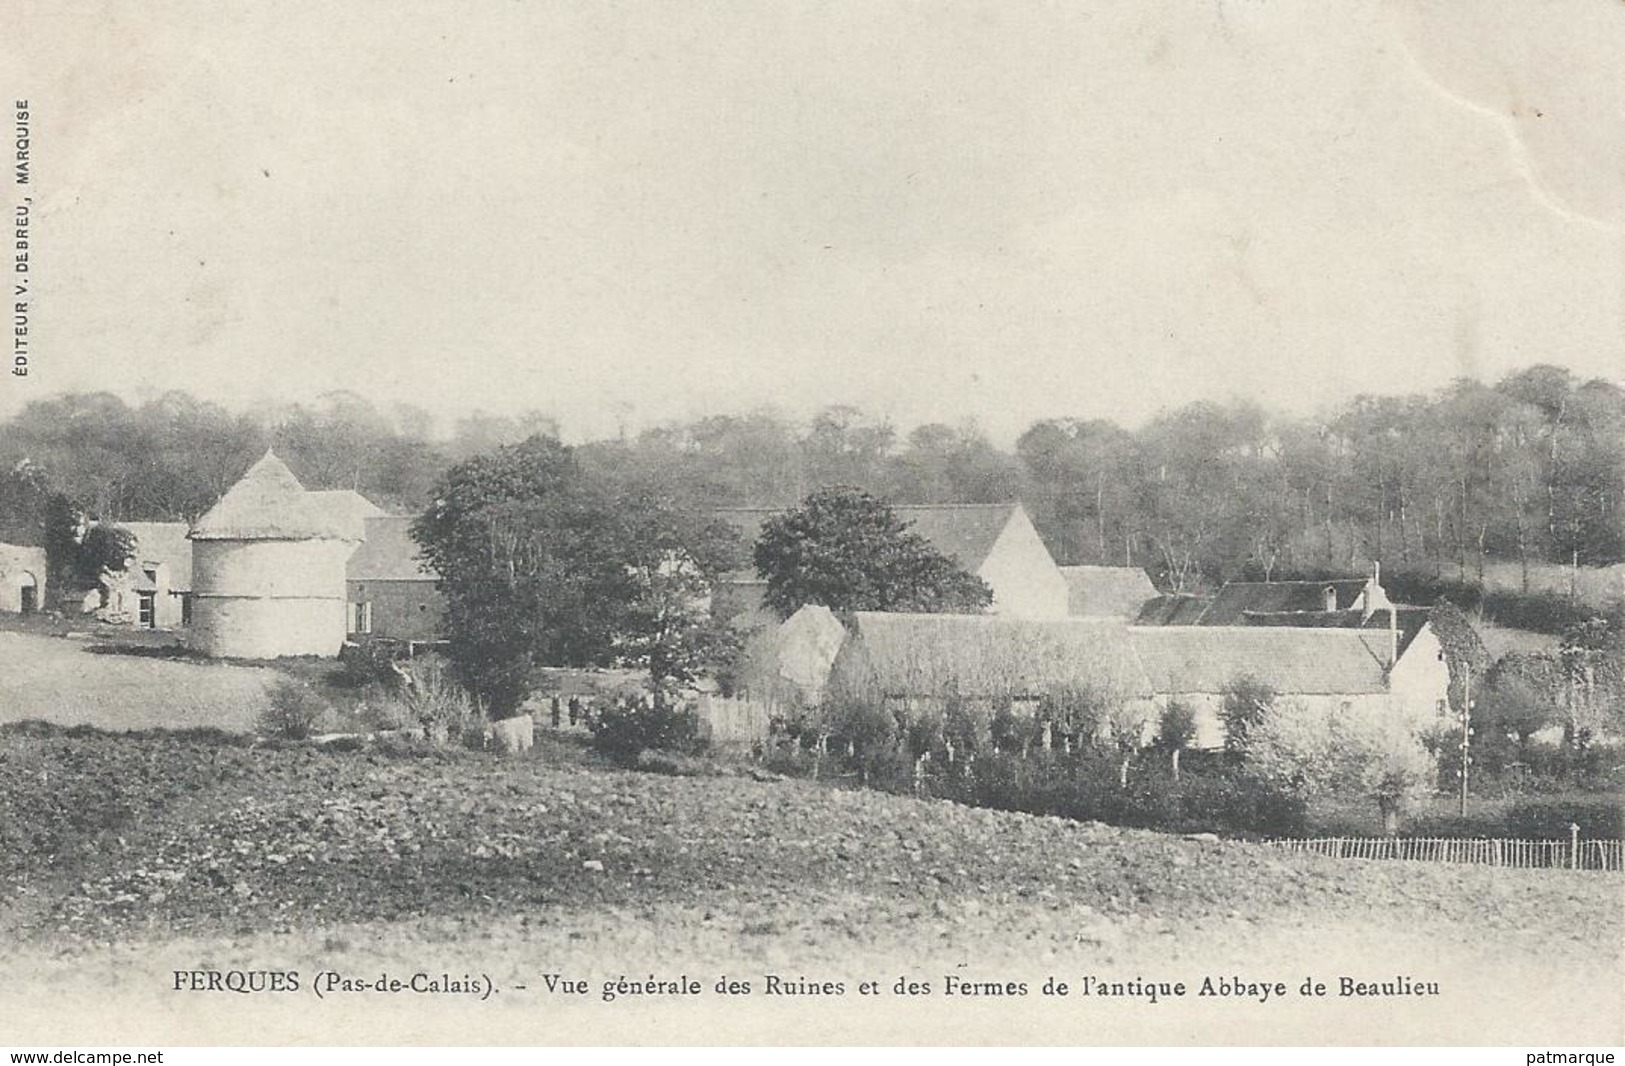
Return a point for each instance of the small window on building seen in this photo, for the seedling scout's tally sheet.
(186, 608)
(361, 618)
(146, 615)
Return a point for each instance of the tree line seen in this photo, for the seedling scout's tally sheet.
(1530, 469)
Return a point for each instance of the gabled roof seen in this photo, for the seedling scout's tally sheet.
(1107, 591)
(347, 507)
(1190, 660)
(1239, 597)
(268, 503)
(388, 554)
(985, 655)
(163, 543)
(964, 532)
(1173, 609)
(790, 663)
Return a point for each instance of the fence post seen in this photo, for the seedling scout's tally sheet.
(1574, 846)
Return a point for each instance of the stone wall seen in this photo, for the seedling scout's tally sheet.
(21, 567)
(262, 599)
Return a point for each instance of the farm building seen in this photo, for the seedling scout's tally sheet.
(348, 508)
(22, 579)
(155, 590)
(994, 541)
(1295, 602)
(787, 666)
(390, 591)
(912, 660)
(1347, 602)
(1353, 670)
(1107, 591)
(983, 656)
(268, 569)
(922, 663)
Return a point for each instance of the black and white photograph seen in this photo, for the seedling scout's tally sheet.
(910, 523)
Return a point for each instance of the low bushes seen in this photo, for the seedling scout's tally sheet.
(293, 711)
(623, 730)
(1219, 797)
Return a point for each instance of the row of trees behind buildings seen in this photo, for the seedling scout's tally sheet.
(1530, 470)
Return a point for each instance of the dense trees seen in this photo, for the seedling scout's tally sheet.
(1527, 471)
(543, 564)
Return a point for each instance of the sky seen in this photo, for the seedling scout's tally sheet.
(626, 213)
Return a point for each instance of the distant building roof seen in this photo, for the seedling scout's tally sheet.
(1107, 591)
(1194, 660)
(1173, 609)
(389, 553)
(1240, 597)
(985, 655)
(268, 503)
(165, 543)
(964, 532)
(348, 507)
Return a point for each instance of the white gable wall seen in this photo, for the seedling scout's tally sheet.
(1026, 582)
(1420, 682)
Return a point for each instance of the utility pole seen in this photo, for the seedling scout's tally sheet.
(1466, 729)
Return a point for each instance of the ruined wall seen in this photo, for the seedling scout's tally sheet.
(21, 567)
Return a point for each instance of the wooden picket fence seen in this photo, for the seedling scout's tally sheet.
(733, 723)
(1486, 851)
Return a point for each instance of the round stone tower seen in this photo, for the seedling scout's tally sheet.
(268, 570)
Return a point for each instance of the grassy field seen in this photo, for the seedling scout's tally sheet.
(123, 858)
(1599, 586)
(71, 680)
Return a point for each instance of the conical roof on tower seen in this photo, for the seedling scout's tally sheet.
(269, 503)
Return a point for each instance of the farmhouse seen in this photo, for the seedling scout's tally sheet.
(268, 573)
(22, 579)
(994, 541)
(158, 577)
(390, 591)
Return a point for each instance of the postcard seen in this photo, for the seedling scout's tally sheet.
(1082, 523)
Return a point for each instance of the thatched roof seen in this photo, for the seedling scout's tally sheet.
(1107, 591)
(984, 656)
(268, 503)
(1191, 660)
(388, 554)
